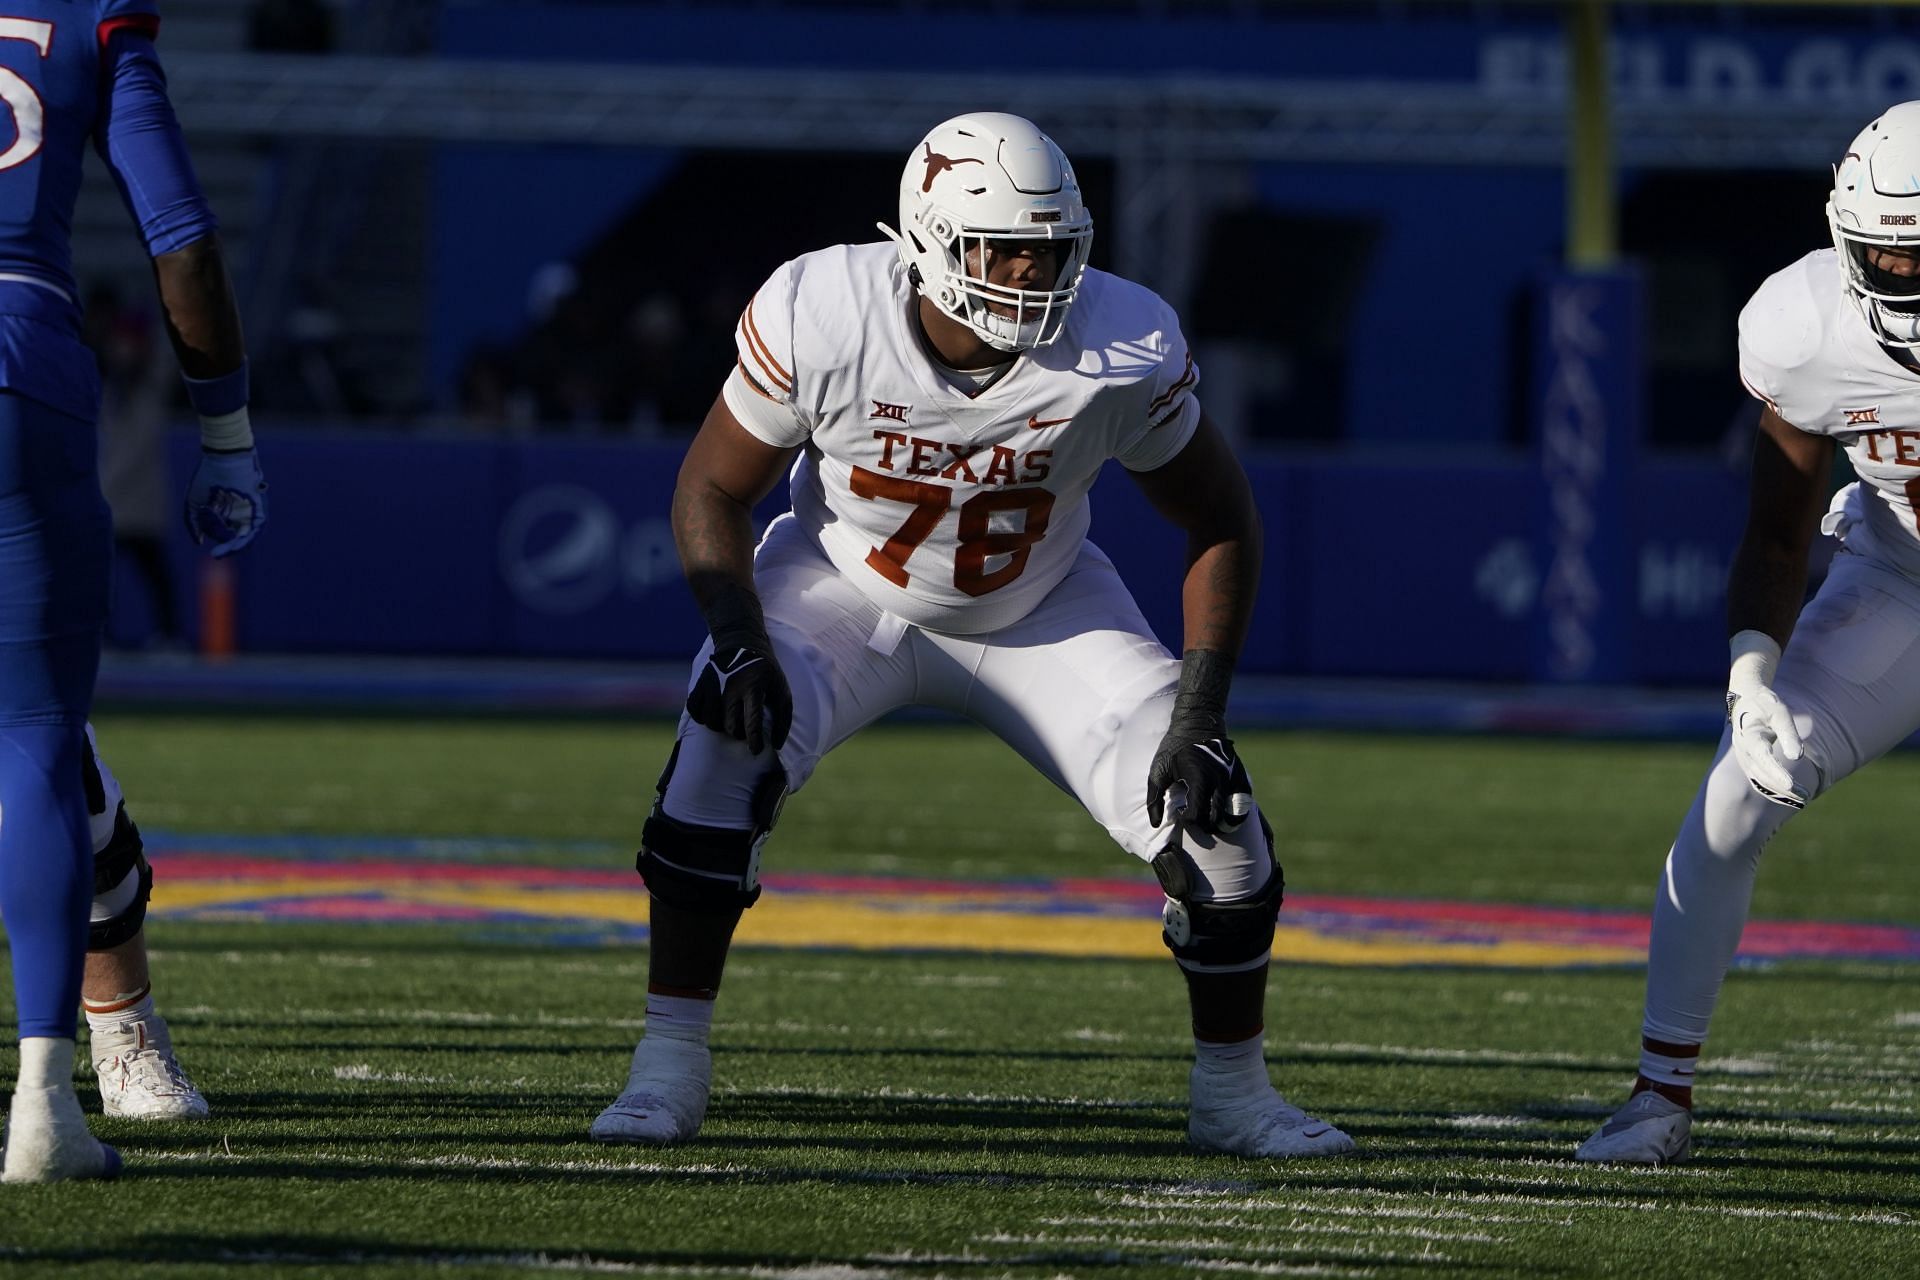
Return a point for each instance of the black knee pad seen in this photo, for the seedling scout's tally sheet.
(124, 855)
(1217, 937)
(708, 870)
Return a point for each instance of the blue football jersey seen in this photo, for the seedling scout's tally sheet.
(51, 83)
(74, 73)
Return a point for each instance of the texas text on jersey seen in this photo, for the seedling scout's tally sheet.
(955, 510)
(1805, 352)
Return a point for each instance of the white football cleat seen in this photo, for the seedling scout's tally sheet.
(1649, 1129)
(1260, 1124)
(47, 1139)
(666, 1095)
(140, 1079)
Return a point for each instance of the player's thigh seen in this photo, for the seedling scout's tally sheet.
(822, 629)
(1069, 685)
(1084, 691)
(56, 545)
(1851, 671)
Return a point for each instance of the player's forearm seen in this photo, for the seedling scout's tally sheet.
(203, 321)
(714, 534)
(1217, 597)
(1766, 587)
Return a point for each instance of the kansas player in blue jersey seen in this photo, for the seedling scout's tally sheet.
(75, 73)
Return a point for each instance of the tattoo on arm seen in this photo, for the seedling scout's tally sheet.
(1217, 597)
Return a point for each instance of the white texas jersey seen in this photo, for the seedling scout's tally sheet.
(955, 512)
(1808, 353)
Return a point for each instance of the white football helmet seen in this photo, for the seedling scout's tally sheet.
(1876, 203)
(984, 177)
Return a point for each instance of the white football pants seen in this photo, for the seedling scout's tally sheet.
(1079, 687)
(1851, 677)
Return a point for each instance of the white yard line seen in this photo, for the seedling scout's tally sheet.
(1295, 1227)
(1367, 1195)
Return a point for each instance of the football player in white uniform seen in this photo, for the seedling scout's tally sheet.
(945, 402)
(1831, 347)
(132, 1050)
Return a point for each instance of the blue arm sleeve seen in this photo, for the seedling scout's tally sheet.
(140, 139)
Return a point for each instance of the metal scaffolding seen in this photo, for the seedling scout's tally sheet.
(1214, 118)
(1176, 142)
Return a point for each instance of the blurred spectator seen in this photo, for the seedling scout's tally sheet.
(493, 397)
(135, 385)
(290, 26)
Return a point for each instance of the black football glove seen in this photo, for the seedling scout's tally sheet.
(1196, 771)
(742, 689)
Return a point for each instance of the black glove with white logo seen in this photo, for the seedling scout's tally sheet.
(742, 692)
(1196, 774)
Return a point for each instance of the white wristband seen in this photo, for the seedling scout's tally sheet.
(228, 432)
(1755, 654)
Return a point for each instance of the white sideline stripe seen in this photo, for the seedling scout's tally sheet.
(923, 1095)
(1424, 1213)
(581, 1263)
(1430, 1053)
(1364, 1193)
(1356, 1253)
(1296, 1227)
(433, 1017)
(1491, 1122)
(363, 1071)
(1110, 1257)
(446, 1162)
(1810, 1058)
(890, 1177)
(1492, 1057)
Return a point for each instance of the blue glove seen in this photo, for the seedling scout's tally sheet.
(226, 501)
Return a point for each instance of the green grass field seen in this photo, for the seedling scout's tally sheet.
(405, 1099)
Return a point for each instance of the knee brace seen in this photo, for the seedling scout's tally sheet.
(122, 885)
(1216, 937)
(708, 870)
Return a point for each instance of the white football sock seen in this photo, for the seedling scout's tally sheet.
(679, 1018)
(1666, 1068)
(46, 1062)
(1240, 1067)
(119, 1014)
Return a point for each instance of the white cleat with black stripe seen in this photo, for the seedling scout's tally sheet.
(1649, 1129)
(1264, 1125)
(665, 1099)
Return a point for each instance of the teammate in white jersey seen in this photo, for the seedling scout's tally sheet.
(1831, 347)
(945, 402)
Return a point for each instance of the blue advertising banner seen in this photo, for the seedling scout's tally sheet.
(1587, 392)
(561, 549)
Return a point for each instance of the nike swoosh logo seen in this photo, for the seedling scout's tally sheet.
(1220, 757)
(1317, 1133)
(722, 674)
(1035, 421)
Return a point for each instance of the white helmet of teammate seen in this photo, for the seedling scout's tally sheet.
(983, 177)
(1876, 204)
